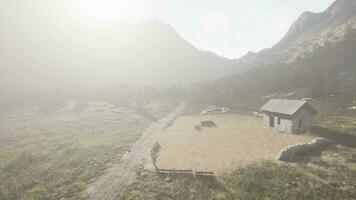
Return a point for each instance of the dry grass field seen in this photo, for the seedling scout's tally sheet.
(236, 141)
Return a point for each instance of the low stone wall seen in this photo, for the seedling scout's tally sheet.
(291, 152)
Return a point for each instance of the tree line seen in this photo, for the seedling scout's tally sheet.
(317, 73)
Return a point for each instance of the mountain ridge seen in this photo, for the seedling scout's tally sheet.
(308, 33)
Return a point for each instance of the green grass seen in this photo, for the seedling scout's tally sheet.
(56, 155)
(264, 180)
(334, 115)
(149, 186)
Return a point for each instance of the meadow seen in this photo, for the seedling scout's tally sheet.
(57, 153)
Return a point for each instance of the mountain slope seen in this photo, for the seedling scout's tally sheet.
(44, 47)
(315, 59)
(313, 23)
(308, 33)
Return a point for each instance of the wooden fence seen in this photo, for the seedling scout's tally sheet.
(185, 173)
(204, 174)
(175, 172)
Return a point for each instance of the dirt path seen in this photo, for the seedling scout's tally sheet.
(124, 172)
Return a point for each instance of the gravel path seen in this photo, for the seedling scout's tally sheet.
(108, 186)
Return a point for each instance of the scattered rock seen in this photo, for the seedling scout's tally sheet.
(352, 108)
(334, 184)
(293, 184)
(198, 128)
(215, 110)
(207, 123)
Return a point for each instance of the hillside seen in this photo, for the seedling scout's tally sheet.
(316, 58)
(308, 33)
(44, 48)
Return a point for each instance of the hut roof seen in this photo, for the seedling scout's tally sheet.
(286, 107)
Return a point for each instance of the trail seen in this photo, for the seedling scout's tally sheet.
(124, 172)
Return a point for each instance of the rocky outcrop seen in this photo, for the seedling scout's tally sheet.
(306, 21)
(310, 32)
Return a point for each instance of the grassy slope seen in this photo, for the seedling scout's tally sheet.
(264, 180)
(56, 155)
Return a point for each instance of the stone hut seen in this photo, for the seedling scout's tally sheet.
(289, 116)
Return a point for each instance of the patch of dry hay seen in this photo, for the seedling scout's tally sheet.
(238, 140)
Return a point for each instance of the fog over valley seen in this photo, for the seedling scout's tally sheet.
(44, 47)
(177, 100)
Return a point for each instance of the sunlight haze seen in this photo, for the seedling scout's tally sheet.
(177, 100)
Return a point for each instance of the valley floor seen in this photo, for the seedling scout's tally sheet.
(55, 153)
(327, 175)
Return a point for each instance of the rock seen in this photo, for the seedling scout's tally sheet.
(289, 152)
(334, 184)
(198, 128)
(352, 108)
(293, 184)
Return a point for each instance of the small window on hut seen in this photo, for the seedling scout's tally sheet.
(300, 123)
(279, 120)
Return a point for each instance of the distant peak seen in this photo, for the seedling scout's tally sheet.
(250, 53)
(154, 21)
(158, 25)
(308, 14)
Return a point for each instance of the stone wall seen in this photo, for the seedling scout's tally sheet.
(291, 152)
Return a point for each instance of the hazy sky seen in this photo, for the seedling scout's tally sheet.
(229, 28)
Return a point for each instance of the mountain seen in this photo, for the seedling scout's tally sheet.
(43, 46)
(315, 59)
(310, 32)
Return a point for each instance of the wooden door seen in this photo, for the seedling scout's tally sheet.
(271, 121)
